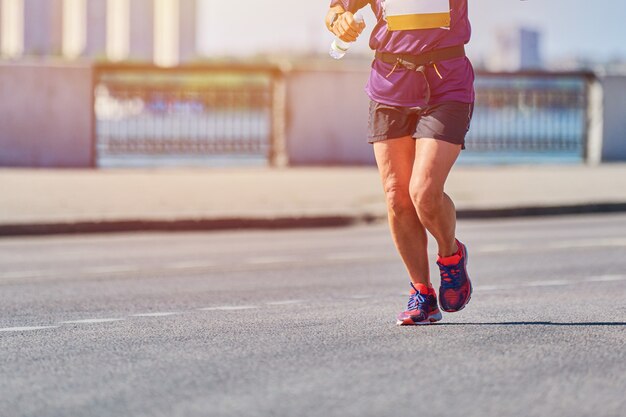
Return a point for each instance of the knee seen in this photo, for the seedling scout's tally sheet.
(399, 201)
(427, 199)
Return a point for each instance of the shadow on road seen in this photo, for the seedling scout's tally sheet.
(537, 323)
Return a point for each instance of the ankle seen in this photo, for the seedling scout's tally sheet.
(450, 251)
(424, 288)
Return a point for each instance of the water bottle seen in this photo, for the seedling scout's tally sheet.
(339, 48)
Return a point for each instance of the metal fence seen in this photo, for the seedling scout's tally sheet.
(231, 112)
(207, 111)
(531, 112)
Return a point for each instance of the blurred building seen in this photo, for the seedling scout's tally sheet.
(515, 49)
(163, 31)
(188, 20)
(11, 28)
(43, 27)
(141, 30)
(96, 29)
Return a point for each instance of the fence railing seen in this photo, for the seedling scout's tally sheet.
(531, 112)
(230, 111)
(208, 110)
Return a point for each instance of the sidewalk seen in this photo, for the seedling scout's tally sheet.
(61, 201)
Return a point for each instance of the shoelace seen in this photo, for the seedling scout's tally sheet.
(450, 276)
(416, 302)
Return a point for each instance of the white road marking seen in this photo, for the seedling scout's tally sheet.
(492, 287)
(568, 244)
(227, 308)
(485, 249)
(284, 303)
(90, 321)
(189, 265)
(587, 243)
(112, 269)
(26, 329)
(497, 248)
(347, 256)
(21, 274)
(106, 269)
(599, 278)
(548, 283)
(606, 278)
(163, 314)
(268, 260)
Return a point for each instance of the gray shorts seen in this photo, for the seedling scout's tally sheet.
(449, 121)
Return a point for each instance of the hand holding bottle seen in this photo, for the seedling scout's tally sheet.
(346, 31)
(348, 27)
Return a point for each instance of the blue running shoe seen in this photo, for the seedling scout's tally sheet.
(456, 288)
(421, 309)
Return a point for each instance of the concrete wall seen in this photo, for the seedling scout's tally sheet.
(614, 123)
(327, 116)
(46, 115)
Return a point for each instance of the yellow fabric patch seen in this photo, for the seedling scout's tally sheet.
(418, 21)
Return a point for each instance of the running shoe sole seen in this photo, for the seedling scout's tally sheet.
(431, 319)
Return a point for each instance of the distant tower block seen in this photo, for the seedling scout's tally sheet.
(12, 28)
(74, 25)
(117, 22)
(167, 32)
(1, 28)
(530, 52)
(96, 42)
(515, 49)
(43, 27)
(187, 48)
(142, 30)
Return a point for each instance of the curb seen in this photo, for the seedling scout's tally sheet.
(119, 226)
(534, 211)
(196, 225)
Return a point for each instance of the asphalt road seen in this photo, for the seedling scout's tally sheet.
(301, 323)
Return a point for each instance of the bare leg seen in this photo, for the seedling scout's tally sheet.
(395, 159)
(433, 161)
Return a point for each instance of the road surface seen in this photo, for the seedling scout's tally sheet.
(301, 323)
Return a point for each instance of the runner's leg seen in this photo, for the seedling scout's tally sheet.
(433, 161)
(395, 158)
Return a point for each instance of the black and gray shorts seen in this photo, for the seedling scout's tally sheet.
(448, 121)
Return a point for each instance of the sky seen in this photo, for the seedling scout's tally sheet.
(582, 28)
